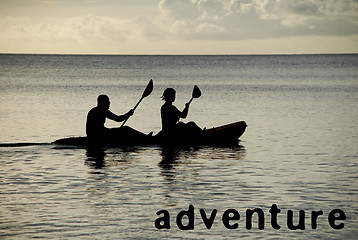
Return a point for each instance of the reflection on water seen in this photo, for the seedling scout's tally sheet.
(99, 158)
(191, 168)
(95, 157)
(171, 155)
(102, 193)
(174, 163)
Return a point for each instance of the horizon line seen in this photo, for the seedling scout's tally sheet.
(179, 54)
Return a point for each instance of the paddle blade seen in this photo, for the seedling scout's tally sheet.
(148, 90)
(196, 92)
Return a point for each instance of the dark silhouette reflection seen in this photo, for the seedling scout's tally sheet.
(95, 157)
(172, 156)
(183, 165)
(100, 158)
(169, 155)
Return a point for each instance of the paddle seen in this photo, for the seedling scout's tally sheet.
(148, 90)
(196, 93)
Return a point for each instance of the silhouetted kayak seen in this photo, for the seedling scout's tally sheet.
(224, 135)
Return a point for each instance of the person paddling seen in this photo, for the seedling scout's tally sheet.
(96, 118)
(171, 127)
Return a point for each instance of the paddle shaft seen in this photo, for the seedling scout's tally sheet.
(133, 110)
(190, 100)
(148, 90)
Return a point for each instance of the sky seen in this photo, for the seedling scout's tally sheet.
(179, 26)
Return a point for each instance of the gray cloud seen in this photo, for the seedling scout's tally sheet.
(77, 29)
(243, 19)
(182, 26)
(200, 20)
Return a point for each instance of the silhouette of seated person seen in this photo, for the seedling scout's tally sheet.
(171, 127)
(96, 118)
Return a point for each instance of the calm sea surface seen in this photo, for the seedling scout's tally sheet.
(299, 151)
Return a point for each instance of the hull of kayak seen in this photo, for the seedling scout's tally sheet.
(223, 135)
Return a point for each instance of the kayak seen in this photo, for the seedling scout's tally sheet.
(224, 135)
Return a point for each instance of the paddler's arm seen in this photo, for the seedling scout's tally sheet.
(184, 113)
(119, 118)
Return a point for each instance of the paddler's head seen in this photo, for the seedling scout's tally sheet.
(169, 95)
(103, 101)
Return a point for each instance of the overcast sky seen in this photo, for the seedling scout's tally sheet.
(179, 26)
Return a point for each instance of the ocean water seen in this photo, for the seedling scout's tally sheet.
(299, 151)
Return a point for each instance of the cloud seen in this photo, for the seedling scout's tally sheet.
(78, 31)
(176, 26)
(243, 19)
(198, 20)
